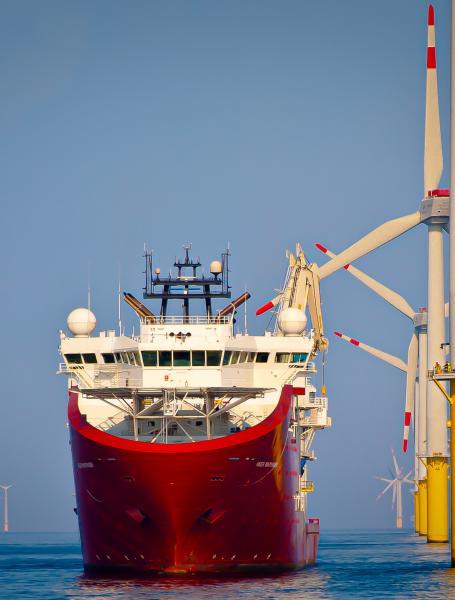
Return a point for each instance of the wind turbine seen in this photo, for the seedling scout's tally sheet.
(396, 485)
(434, 212)
(416, 377)
(5, 489)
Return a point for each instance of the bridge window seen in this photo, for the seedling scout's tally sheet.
(118, 357)
(89, 359)
(137, 358)
(108, 358)
(299, 357)
(132, 358)
(198, 358)
(227, 357)
(262, 357)
(282, 357)
(149, 358)
(73, 359)
(213, 358)
(235, 358)
(165, 358)
(250, 357)
(182, 358)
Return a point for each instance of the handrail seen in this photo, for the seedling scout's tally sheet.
(189, 320)
(307, 486)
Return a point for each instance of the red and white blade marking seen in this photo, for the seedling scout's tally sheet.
(384, 356)
(433, 159)
(407, 423)
(347, 338)
(329, 253)
(267, 306)
(383, 291)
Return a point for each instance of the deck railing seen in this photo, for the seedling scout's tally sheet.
(189, 320)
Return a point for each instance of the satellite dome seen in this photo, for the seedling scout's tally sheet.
(216, 267)
(81, 322)
(292, 321)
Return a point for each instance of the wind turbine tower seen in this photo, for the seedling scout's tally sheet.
(5, 489)
(396, 485)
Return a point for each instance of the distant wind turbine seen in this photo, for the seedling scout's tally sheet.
(5, 489)
(396, 484)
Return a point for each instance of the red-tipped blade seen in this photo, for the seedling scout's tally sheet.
(264, 308)
(331, 254)
(407, 423)
(433, 159)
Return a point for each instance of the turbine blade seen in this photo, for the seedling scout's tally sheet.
(395, 464)
(384, 356)
(411, 375)
(268, 305)
(406, 478)
(433, 160)
(386, 489)
(394, 496)
(383, 479)
(386, 293)
(376, 238)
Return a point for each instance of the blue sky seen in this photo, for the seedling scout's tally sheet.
(258, 123)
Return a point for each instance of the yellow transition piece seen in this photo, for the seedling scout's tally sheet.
(438, 497)
(423, 507)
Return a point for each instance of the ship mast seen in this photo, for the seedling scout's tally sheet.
(187, 284)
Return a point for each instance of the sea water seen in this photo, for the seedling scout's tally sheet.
(351, 564)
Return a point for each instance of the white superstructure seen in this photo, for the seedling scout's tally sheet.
(187, 378)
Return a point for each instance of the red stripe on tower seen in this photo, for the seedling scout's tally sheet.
(431, 57)
(430, 15)
(321, 248)
(405, 446)
(338, 334)
(355, 342)
(407, 418)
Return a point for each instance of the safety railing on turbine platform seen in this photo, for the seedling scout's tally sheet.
(307, 486)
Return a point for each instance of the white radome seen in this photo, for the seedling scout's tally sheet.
(81, 322)
(292, 321)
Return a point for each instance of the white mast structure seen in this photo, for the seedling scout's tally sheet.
(5, 489)
(434, 212)
(416, 380)
(396, 485)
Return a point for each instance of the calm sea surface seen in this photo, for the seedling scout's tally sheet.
(354, 564)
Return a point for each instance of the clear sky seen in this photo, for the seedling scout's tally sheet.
(259, 123)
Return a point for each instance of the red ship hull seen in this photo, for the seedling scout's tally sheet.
(221, 505)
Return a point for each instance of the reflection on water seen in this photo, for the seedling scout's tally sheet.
(352, 564)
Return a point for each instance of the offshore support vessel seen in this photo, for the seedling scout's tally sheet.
(191, 441)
